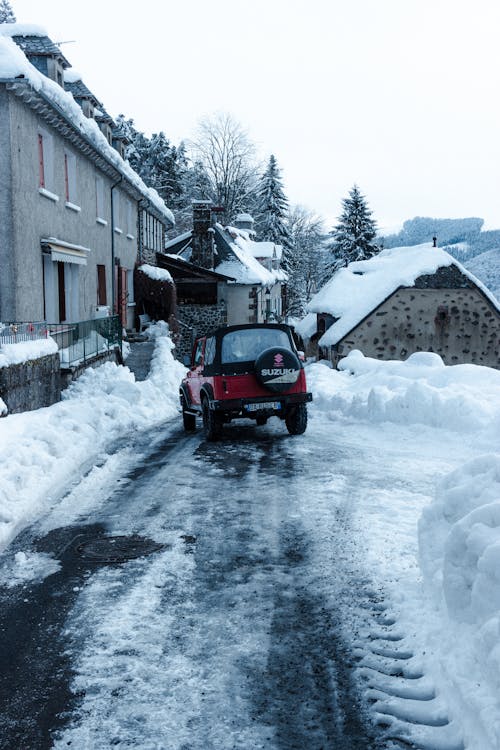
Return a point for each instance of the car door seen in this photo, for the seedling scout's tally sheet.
(195, 373)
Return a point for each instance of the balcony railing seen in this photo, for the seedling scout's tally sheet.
(77, 342)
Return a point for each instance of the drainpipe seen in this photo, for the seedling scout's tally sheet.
(113, 284)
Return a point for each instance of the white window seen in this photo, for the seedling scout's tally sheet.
(70, 179)
(45, 161)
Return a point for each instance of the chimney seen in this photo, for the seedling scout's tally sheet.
(202, 244)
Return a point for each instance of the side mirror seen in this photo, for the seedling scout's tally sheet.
(301, 356)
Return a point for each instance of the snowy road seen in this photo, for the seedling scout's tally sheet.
(245, 630)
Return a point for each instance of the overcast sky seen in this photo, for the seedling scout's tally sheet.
(400, 97)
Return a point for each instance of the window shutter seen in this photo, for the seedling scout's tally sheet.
(41, 170)
(66, 177)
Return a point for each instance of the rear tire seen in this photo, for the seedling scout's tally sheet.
(212, 426)
(188, 420)
(296, 419)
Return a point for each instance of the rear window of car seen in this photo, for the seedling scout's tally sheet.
(246, 344)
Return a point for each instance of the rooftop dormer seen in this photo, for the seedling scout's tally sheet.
(81, 94)
(44, 55)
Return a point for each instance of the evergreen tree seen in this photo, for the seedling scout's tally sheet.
(272, 208)
(354, 236)
(6, 12)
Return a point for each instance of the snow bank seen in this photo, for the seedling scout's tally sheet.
(420, 390)
(41, 451)
(459, 545)
(15, 354)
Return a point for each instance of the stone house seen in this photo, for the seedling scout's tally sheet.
(223, 276)
(402, 301)
(75, 217)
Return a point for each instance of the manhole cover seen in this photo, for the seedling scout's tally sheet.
(114, 549)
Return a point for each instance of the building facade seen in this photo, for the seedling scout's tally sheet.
(75, 218)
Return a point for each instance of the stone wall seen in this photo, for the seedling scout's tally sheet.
(461, 325)
(31, 385)
(197, 320)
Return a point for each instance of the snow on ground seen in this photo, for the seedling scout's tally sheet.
(428, 502)
(42, 451)
(437, 554)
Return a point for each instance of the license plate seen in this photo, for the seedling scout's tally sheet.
(265, 405)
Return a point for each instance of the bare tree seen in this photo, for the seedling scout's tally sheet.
(304, 258)
(227, 156)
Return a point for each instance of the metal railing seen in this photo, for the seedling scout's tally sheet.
(16, 333)
(77, 342)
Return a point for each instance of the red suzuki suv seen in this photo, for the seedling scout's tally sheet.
(252, 371)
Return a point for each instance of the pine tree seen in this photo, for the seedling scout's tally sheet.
(6, 12)
(272, 208)
(353, 238)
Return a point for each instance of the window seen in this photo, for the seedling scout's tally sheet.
(70, 178)
(101, 285)
(99, 200)
(245, 345)
(45, 161)
(210, 351)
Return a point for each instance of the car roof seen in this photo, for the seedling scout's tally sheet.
(246, 326)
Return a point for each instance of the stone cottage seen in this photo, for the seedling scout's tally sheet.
(223, 276)
(406, 300)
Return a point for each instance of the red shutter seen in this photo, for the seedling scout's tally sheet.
(66, 176)
(41, 170)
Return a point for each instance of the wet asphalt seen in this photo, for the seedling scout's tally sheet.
(269, 542)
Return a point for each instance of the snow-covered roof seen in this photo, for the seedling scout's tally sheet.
(245, 217)
(179, 238)
(353, 292)
(14, 64)
(245, 268)
(22, 29)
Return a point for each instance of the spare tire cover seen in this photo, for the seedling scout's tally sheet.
(277, 369)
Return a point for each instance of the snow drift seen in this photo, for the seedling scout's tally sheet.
(41, 451)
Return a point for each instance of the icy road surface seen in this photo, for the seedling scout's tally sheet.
(263, 621)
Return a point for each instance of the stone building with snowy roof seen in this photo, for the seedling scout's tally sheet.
(75, 217)
(406, 300)
(222, 275)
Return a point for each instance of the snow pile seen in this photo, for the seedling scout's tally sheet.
(153, 272)
(15, 354)
(353, 292)
(41, 451)
(420, 390)
(459, 542)
(27, 567)
(14, 64)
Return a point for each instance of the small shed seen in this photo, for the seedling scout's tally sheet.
(406, 300)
